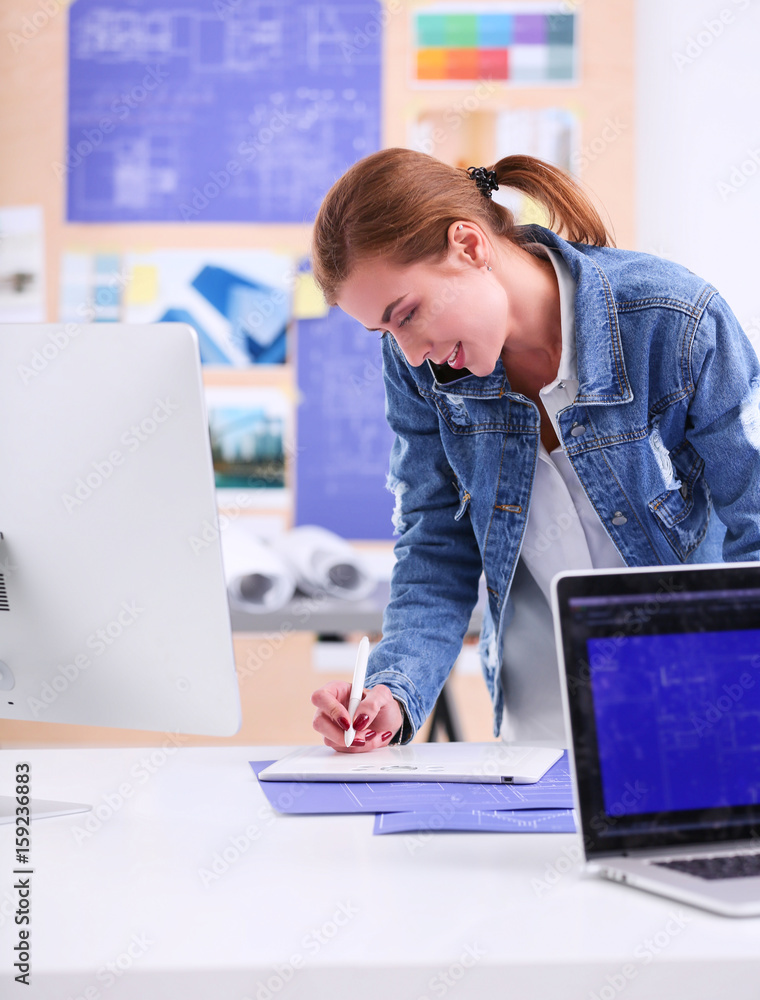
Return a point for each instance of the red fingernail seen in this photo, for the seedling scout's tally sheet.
(386, 736)
(358, 743)
(344, 724)
(369, 735)
(361, 721)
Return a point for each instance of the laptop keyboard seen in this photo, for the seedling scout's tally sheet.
(731, 866)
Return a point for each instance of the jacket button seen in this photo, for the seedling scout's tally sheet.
(577, 429)
(619, 517)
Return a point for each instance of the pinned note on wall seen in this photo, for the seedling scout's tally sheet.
(238, 301)
(308, 301)
(143, 287)
(22, 264)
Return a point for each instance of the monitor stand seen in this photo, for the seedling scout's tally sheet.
(40, 809)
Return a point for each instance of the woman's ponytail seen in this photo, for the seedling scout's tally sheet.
(564, 200)
(398, 204)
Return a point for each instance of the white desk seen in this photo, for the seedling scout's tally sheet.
(399, 917)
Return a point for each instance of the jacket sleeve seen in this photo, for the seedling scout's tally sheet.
(724, 425)
(434, 585)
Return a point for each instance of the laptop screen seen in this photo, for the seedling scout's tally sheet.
(663, 682)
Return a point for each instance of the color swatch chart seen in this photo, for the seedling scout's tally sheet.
(513, 43)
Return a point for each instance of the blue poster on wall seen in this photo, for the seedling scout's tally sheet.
(217, 110)
(343, 440)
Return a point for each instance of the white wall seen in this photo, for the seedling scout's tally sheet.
(698, 143)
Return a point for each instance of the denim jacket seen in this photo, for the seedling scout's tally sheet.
(663, 434)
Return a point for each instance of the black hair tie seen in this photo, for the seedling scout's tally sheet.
(485, 180)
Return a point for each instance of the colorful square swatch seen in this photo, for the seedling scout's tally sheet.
(511, 43)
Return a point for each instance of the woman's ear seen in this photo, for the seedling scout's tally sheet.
(468, 243)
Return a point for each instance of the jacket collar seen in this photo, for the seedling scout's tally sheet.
(602, 375)
(601, 366)
(464, 383)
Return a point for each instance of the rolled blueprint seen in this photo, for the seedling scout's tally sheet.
(324, 563)
(258, 578)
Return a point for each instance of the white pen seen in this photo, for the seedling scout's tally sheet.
(357, 686)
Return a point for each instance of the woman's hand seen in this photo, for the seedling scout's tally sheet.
(377, 718)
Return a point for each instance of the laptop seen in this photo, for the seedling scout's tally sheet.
(661, 688)
(497, 762)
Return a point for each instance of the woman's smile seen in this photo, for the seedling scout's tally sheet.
(456, 358)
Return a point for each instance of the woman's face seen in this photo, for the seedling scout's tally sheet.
(453, 310)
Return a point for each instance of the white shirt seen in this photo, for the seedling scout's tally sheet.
(563, 532)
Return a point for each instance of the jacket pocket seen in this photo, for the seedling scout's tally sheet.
(683, 515)
(470, 416)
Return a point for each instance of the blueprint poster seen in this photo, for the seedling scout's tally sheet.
(223, 111)
(343, 442)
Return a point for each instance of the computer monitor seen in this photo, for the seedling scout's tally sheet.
(113, 606)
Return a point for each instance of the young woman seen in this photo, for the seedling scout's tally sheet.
(557, 404)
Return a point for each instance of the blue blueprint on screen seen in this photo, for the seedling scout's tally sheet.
(343, 439)
(679, 715)
(217, 110)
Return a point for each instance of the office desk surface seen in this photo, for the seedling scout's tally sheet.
(184, 884)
